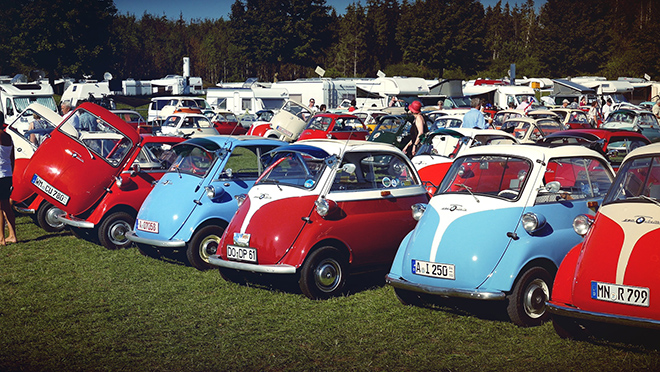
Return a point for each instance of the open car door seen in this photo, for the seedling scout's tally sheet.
(80, 161)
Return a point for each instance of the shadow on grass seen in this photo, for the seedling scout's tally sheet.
(625, 338)
(486, 310)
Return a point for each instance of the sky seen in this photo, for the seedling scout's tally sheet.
(214, 9)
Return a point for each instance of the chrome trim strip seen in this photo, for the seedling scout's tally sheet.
(24, 210)
(155, 242)
(630, 321)
(244, 266)
(442, 291)
(74, 222)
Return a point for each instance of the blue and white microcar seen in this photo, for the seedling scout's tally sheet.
(499, 226)
(193, 202)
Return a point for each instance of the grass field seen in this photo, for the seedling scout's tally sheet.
(71, 305)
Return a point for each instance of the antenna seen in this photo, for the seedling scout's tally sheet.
(380, 74)
(107, 76)
(319, 71)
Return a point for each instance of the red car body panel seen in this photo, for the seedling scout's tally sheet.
(333, 130)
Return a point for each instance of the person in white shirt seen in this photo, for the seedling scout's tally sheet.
(607, 109)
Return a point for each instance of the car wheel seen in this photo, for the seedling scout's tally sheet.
(148, 250)
(203, 244)
(113, 229)
(323, 274)
(47, 218)
(526, 306)
(567, 328)
(409, 297)
(231, 275)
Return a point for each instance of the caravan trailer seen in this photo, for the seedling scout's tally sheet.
(16, 96)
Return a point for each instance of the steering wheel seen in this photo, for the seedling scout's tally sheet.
(508, 193)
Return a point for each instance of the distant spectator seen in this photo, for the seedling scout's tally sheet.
(574, 104)
(312, 105)
(474, 118)
(352, 107)
(6, 169)
(523, 104)
(65, 107)
(393, 101)
(583, 101)
(564, 103)
(416, 130)
(323, 108)
(512, 105)
(607, 109)
(593, 114)
(656, 109)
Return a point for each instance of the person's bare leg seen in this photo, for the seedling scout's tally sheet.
(8, 214)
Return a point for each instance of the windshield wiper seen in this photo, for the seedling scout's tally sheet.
(647, 198)
(468, 188)
(276, 182)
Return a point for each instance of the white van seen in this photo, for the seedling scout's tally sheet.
(16, 97)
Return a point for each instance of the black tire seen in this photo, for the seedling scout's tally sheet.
(46, 217)
(113, 229)
(409, 297)
(568, 328)
(526, 307)
(203, 244)
(148, 250)
(323, 274)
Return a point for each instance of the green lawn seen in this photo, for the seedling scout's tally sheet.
(71, 305)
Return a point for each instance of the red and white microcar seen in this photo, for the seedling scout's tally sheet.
(321, 209)
(612, 276)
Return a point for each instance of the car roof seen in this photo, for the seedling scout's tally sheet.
(333, 146)
(534, 151)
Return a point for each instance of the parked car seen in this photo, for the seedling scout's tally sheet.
(503, 115)
(392, 129)
(637, 120)
(225, 122)
(28, 131)
(439, 148)
(614, 144)
(286, 124)
(309, 212)
(528, 130)
(74, 169)
(573, 118)
(499, 226)
(109, 218)
(193, 203)
(135, 120)
(611, 277)
(447, 121)
(337, 126)
(187, 125)
(369, 117)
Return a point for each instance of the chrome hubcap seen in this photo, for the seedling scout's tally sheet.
(118, 232)
(535, 297)
(328, 275)
(209, 247)
(51, 217)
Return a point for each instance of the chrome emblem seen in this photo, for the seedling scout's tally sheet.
(168, 182)
(242, 239)
(640, 220)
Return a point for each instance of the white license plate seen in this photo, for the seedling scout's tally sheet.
(148, 226)
(622, 294)
(432, 269)
(50, 190)
(241, 253)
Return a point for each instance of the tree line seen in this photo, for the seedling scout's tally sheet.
(287, 39)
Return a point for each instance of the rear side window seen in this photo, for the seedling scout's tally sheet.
(578, 178)
(373, 171)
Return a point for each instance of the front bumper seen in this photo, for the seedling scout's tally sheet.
(443, 291)
(155, 242)
(75, 222)
(244, 266)
(572, 312)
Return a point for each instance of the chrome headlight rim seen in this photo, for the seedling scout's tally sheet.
(418, 210)
(532, 222)
(582, 224)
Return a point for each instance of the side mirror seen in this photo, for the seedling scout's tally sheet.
(553, 187)
(135, 169)
(348, 168)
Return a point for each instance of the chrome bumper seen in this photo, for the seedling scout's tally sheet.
(155, 242)
(24, 210)
(571, 312)
(442, 291)
(267, 269)
(75, 222)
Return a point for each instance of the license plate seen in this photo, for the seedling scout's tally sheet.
(622, 294)
(148, 226)
(241, 253)
(432, 269)
(50, 190)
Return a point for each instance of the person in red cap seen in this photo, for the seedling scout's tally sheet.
(416, 131)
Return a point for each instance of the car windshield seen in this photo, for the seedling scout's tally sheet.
(444, 145)
(192, 159)
(171, 121)
(319, 123)
(638, 179)
(97, 136)
(33, 127)
(294, 169)
(493, 175)
(156, 155)
(621, 117)
(447, 122)
(389, 124)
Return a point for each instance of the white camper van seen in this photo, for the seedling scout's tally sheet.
(15, 98)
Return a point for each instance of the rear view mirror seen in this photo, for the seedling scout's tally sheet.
(348, 168)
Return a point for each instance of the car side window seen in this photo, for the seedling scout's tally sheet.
(373, 171)
(243, 163)
(578, 177)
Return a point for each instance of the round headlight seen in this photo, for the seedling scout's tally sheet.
(210, 191)
(418, 210)
(532, 222)
(581, 224)
(240, 199)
